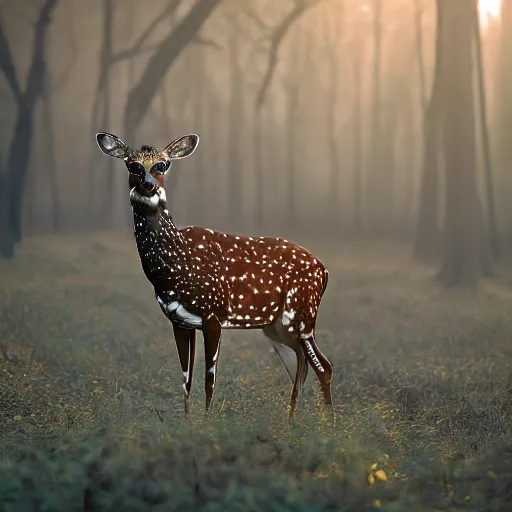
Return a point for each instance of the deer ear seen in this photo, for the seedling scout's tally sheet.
(182, 147)
(112, 145)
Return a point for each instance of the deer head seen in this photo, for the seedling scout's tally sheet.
(147, 166)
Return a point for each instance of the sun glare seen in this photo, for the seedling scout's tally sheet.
(488, 10)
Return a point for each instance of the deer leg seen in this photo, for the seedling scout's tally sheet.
(186, 345)
(290, 352)
(320, 364)
(302, 371)
(211, 334)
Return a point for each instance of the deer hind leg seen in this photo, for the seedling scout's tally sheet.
(293, 359)
(320, 364)
(186, 345)
(211, 334)
(298, 320)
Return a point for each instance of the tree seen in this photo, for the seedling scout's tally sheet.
(503, 108)
(53, 85)
(142, 94)
(460, 264)
(427, 242)
(108, 59)
(236, 115)
(374, 172)
(486, 147)
(358, 52)
(396, 106)
(101, 110)
(332, 31)
(293, 83)
(276, 36)
(103, 102)
(14, 178)
(259, 165)
(200, 93)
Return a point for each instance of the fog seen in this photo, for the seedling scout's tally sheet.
(374, 133)
(311, 114)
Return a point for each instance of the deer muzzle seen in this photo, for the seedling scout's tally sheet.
(149, 184)
(144, 184)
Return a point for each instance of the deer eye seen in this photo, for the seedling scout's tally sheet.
(160, 167)
(136, 168)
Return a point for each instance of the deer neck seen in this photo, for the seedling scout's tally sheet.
(159, 242)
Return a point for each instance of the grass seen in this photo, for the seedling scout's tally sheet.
(91, 410)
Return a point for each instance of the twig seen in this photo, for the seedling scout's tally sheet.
(276, 38)
(158, 414)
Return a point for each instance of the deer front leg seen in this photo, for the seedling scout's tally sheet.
(298, 382)
(186, 345)
(211, 334)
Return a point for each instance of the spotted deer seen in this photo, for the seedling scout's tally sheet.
(206, 280)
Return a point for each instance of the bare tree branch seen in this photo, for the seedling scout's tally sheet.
(144, 49)
(137, 45)
(133, 52)
(7, 64)
(278, 34)
(139, 98)
(136, 49)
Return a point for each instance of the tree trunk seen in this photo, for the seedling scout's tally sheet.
(407, 120)
(234, 128)
(51, 157)
(272, 161)
(199, 115)
(386, 203)
(172, 178)
(332, 136)
(141, 96)
(376, 172)
(21, 142)
(214, 143)
(485, 255)
(427, 242)
(460, 264)
(492, 219)
(504, 108)
(5, 231)
(181, 95)
(358, 47)
(292, 102)
(259, 165)
(111, 194)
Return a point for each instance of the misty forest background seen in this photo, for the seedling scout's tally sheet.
(374, 133)
(380, 119)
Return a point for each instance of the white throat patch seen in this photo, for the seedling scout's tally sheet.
(152, 203)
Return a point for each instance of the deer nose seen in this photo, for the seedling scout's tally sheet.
(149, 184)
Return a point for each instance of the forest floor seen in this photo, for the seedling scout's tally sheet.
(91, 406)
